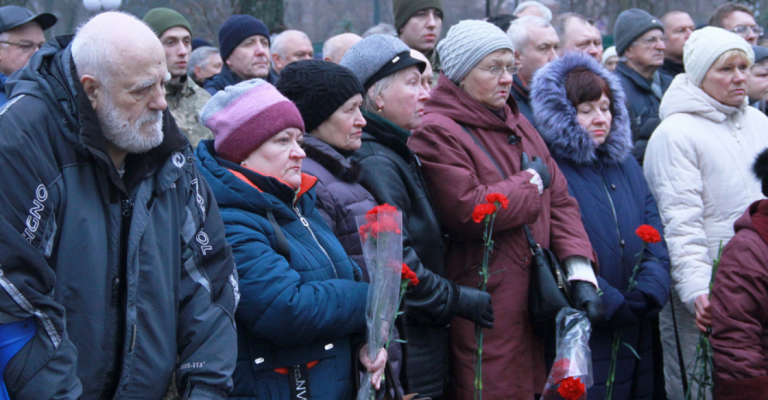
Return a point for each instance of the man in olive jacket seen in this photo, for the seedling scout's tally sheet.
(114, 250)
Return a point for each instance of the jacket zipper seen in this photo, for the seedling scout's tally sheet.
(616, 222)
(306, 225)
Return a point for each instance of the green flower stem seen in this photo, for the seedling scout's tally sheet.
(488, 244)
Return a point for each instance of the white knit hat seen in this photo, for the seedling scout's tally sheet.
(466, 44)
(706, 45)
(609, 52)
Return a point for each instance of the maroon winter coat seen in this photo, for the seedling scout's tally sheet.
(739, 307)
(459, 175)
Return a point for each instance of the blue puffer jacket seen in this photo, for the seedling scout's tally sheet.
(291, 312)
(614, 200)
(3, 95)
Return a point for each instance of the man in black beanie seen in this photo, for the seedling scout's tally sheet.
(419, 24)
(244, 47)
(640, 44)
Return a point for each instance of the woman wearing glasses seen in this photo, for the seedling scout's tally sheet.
(471, 144)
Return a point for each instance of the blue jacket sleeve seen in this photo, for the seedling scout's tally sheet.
(274, 302)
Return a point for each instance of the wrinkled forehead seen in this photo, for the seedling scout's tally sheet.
(577, 30)
(138, 67)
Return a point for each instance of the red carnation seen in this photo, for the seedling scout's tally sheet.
(648, 234)
(571, 388)
(481, 210)
(410, 275)
(494, 197)
(560, 369)
(371, 215)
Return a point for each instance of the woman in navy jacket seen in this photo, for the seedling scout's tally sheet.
(579, 107)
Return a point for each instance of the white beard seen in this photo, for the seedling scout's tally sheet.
(124, 137)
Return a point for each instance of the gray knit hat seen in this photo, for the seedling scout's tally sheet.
(761, 53)
(632, 24)
(377, 56)
(467, 43)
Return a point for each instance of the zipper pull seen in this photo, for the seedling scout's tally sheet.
(304, 221)
(127, 207)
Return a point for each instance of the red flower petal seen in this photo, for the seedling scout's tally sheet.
(407, 273)
(571, 388)
(648, 234)
(497, 197)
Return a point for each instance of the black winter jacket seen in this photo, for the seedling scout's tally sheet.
(227, 77)
(129, 279)
(390, 171)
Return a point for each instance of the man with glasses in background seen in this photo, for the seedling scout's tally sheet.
(640, 44)
(739, 19)
(21, 35)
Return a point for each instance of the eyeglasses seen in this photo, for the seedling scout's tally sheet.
(26, 47)
(743, 30)
(497, 71)
(651, 41)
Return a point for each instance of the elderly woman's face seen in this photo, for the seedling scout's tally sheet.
(726, 81)
(489, 81)
(279, 157)
(344, 128)
(403, 102)
(595, 117)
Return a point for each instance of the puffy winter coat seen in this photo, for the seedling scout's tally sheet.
(614, 201)
(295, 311)
(128, 279)
(459, 174)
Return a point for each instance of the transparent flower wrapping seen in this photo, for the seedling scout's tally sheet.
(574, 358)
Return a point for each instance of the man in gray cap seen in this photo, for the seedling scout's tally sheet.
(640, 44)
(21, 35)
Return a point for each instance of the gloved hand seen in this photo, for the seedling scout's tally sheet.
(637, 302)
(475, 306)
(539, 166)
(585, 298)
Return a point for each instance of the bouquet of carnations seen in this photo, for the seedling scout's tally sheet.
(571, 375)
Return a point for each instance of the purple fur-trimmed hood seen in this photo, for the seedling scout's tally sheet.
(556, 117)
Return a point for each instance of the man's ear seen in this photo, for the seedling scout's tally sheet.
(275, 59)
(92, 89)
(518, 61)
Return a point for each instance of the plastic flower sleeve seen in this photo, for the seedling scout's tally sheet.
(571, 374)
(382, 242)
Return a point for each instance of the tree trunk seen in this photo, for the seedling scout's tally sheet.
(271, 12)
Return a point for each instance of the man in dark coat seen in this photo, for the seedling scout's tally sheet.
(640, 42)
(125, 271)
(678, 26)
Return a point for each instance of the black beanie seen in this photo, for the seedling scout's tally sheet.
(236, 29)
(318, 88)
(760, 168)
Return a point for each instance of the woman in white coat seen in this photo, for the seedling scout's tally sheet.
(698, 167)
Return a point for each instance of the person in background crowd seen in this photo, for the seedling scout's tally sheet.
(184, 97)
(392, 107)
(739, 296)
(536, 44)
(578, 34)
(289, 46)
(698, 167)
(757, 80)
(467, 124)
(200, 42)
(303, 298)
(610, 59)
(123, 260)
(640, 42)
(21, 35)
(381, 29)
(426, 76)
(204, 62)
(335, 47)
(419, 24)
(678, 26)
(739, 19)
(244, 47)
(503, 21)
(533, 8)
(579, 108)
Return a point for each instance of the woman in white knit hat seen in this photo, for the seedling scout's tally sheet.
(698, 166)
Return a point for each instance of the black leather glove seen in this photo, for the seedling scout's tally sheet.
(539, 166)
(475, 306)
(585, 298)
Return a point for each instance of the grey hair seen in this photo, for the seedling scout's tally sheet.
(518, 30)
(545, 11)
(199, 58)
(278, 43)
(91, 55)
(382, 28)
(369, 103)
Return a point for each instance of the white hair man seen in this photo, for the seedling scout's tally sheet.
(536, 44)
(204, 62)
(290, 46)
(115, 262)
(335, 47)
(534, 8)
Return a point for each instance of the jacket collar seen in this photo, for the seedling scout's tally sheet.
(381, 130)
(519, 88)
(329, 158)
(636, 78)
(227, 77)
(685, 97)
(184, 88)
(674, 68)
(557, 117)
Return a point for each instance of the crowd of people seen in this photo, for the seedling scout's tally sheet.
(179, 219)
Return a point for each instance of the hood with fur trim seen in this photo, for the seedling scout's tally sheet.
(557, 121)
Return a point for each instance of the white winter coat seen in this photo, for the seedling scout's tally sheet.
(698, 164)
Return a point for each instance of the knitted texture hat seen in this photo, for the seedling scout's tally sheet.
(318, 88)
(704, 47)
(466, 44)
(236, 29)
(761, 53)
(404, 9)
(377, 56)
(161, 19)
(632, 24)
(608, 53)
(244, 116)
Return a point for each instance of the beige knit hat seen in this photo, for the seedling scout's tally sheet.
(706, 45)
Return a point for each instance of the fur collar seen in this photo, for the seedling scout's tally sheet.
(330, 159)
(557, 119)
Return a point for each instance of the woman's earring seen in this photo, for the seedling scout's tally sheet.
(381, 109)
(461, 84)
(242, 163)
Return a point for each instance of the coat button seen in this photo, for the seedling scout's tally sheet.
(259, 360)
(613, 186)
(525, 259)
(329, 346)
(738, 125)
(622, 242)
